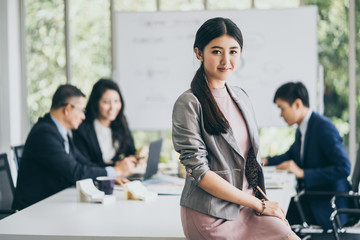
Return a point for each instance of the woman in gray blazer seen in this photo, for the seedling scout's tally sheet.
(215, 132)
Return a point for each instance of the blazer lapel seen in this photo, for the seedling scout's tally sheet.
(249, 119)
(250, 123)
(298, 159)
(306, 140)
(229, 137)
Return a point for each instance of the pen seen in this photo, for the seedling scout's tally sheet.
(262, 193)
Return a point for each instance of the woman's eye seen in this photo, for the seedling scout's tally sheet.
(233, 52)
(216, 52)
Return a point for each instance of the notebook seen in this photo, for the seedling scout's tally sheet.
(152, 162)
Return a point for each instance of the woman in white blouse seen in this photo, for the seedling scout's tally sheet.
(104, 137)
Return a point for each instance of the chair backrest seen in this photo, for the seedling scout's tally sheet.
(6, 183)
(18, 150)
(355, 178)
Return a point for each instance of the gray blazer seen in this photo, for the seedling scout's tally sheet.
(201, 151)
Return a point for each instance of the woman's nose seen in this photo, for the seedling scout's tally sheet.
(225, 59)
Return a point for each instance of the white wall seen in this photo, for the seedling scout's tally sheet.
(12, 100)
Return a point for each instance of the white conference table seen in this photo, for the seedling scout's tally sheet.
(61, 216)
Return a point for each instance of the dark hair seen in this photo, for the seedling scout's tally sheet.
(119, 127)
(291, 91)
(214, 120)
(62, 95)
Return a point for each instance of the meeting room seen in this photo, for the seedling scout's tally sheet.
(179, 119)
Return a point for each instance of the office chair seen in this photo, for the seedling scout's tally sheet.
(18, 150)
(6, 187)
(351, 230)
(306, 231)
(338, 231)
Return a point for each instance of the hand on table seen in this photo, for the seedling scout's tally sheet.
(291, 167)
(126, 166)
(121, 181)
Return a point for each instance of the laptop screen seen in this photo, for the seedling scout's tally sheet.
(153, 159)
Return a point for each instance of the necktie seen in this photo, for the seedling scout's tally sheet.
(301, 146)
(66, 144)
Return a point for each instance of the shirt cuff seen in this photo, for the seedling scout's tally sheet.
(110, 172)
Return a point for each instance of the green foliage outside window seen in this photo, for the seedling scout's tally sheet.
(333, 37)
(45, 53)
(90, 45)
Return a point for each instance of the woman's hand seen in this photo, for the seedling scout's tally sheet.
(274, 209)
(126, 166)
(121, 181)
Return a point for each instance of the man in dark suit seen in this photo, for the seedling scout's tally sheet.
(317, 157)
(50, 161)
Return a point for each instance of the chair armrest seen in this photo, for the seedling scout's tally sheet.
(302, 193)
(348, 211)
(334, 219)
(351, 194)
(322, 193)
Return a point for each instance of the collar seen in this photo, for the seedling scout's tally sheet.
(304, 124)
(61, 129)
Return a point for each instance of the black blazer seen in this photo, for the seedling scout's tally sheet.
(46, 168)
(86, 141)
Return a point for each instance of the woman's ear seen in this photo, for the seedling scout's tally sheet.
(198, 54)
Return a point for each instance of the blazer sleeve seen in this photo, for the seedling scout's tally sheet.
(336, 164)
(187, 140)
(48, 145)
(288, 155)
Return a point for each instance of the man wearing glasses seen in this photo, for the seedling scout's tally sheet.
(50, 161)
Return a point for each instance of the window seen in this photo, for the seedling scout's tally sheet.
(228, 4)
(90, 42)
(45, 53)
(181, 5)
(135, 5)
(276, 4)
(90, 52)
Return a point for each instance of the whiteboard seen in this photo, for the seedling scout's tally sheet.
(155, 61)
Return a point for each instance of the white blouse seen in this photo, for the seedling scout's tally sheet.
(104, 137)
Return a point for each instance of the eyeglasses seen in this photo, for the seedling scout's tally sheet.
(74, 107)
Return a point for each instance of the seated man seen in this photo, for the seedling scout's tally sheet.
(50, 161)
(317, 157)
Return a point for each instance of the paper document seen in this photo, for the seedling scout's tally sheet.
(274, 178)
(165, 185)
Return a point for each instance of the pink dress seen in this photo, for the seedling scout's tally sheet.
(248, 225)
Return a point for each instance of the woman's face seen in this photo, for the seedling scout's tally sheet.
(221, 57)
(109, 105)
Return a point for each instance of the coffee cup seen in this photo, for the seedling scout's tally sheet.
(105, 184)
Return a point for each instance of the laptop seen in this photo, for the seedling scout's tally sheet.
(152, 162)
